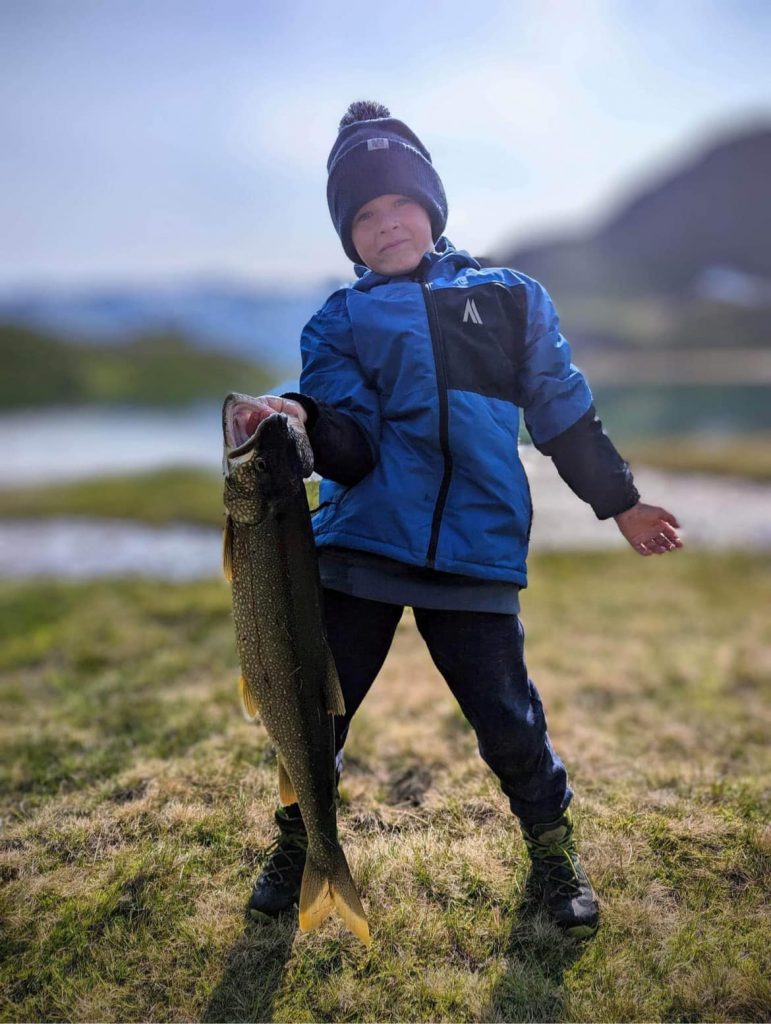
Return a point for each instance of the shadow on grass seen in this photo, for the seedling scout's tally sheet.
(253, 972)
(537, 958)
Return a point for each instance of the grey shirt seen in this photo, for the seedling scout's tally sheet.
(377, 578)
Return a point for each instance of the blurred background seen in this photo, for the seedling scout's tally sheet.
(165, 237)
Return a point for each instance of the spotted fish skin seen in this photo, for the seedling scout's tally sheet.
(288, 672)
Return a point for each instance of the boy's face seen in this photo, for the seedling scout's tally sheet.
(391, 234)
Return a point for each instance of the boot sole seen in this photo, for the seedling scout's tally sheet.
(581, 931)
(265, 917)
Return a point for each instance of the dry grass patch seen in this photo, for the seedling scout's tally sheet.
(137, 807)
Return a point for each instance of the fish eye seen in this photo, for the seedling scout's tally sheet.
(260, 464)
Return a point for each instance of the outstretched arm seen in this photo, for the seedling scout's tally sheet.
(586, 459)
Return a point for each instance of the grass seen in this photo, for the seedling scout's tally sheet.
(748, 456)
(154, 369)
(137, 805)
(161, 496)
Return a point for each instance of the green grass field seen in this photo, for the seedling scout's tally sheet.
(137, 803)
(162, 496)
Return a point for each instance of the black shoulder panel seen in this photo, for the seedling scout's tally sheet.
(483, 336)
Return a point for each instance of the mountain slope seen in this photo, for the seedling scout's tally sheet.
(715, 211)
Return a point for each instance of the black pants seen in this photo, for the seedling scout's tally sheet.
(481, 657)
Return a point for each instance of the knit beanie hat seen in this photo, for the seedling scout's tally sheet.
(376, 155)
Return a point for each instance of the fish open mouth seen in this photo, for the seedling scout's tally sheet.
(242, 419)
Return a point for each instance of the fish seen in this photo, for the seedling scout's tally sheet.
(288, 675)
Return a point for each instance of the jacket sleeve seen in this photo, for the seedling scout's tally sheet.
(588, 462)
(561, 418)
(343, 410)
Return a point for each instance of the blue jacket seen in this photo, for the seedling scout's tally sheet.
(432, 369)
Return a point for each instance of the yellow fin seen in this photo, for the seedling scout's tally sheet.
(315, 898)
(333, 695)
(250, 706)
(285, 788)
(319, 894)
(227, 549)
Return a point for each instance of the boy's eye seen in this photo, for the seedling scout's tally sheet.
(362, 216)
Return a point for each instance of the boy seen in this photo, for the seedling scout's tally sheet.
(411, 386)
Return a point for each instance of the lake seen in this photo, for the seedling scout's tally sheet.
(38, 445)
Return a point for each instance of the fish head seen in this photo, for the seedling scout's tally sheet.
(266, 468)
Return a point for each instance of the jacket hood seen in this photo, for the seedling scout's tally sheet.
(444, 257)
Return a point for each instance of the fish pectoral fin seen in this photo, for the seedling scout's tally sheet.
(286, 791)
(333, 695)
(251, 711)
(319, 894)
(227, 549)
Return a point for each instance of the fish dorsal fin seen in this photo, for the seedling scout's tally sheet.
(333, 695)
(286, 791)
(227, 549)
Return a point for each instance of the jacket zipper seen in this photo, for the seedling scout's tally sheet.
(444, 434)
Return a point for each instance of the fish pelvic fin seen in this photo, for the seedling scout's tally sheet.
(286, 791)
(333, 694)
(227, 549)
(251, 711)
(321, 893)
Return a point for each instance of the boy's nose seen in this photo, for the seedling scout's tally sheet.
(388, 222)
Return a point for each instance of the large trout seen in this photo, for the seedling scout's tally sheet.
(288, 673)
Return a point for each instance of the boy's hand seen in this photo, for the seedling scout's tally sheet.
(649, 529)
(249, 416)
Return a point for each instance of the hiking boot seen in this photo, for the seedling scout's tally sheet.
(558, 876)
(277, 888)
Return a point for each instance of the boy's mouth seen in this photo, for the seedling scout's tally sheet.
(392, 245)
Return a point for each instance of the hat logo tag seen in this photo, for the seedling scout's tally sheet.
(471, 313)
(377, 143)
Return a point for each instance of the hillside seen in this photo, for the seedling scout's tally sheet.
(159, 369)
(701, 229)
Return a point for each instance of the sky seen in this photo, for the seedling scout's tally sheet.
(148, 142)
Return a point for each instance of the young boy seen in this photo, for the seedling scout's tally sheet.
(411, 386)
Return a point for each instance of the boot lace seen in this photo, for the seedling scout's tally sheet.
(557, 864)
(286, 855)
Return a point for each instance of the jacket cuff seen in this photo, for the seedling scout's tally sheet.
(309, 404)
(341, 448)
(590, 465)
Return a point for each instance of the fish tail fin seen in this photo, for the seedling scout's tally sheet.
(321, 893)
(227, 549)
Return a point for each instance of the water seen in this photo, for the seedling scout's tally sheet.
(635, 412)
(49, 445)
(83, 549)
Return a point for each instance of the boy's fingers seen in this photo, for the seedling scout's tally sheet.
(670, 533)
(668, 517)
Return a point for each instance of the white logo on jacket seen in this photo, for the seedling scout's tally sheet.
(471, 313)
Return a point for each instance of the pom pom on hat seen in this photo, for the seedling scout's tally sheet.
(363, 110)
(374, 155)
